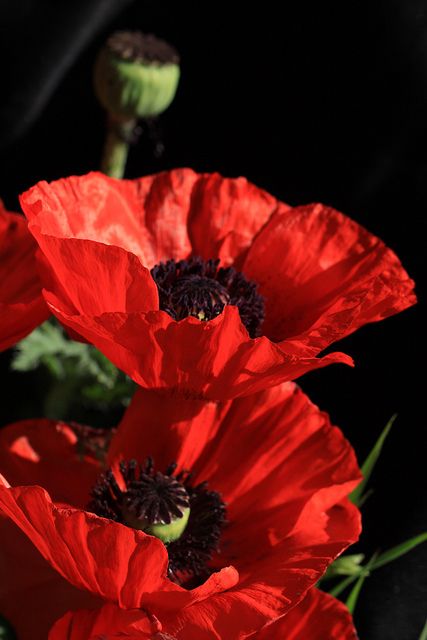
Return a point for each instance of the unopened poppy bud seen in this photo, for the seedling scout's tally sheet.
(347, 565)
(136, 75)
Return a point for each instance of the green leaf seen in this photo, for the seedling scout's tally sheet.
(423, 635)
(357, 496)
(342, 585)
(78, 370)
(399, 550)
(48, 345)
(355, 592)
(377, 561)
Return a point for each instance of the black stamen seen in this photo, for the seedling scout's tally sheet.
(190, 555)
(148, 496)
(92, 441)
(140, 47)
(201, 288)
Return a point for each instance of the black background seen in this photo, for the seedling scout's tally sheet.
(315, 102)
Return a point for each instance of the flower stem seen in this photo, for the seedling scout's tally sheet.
(116, 147)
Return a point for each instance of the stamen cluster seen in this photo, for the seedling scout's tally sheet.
(201, 288)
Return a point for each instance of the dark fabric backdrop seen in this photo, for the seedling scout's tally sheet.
(316, 102)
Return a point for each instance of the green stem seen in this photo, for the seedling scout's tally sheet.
(116, 147)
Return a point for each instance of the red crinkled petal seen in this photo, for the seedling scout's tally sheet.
(225, 216)
(32, 594)
(214, 360)
(258, 451)
(277, 447)
(323, 276)
(101, 556)
(167, 428)
(168, 215)
(283, 472)
(318, 617)
(107, 559)
(89, 276)
(108, 622)
(46, 453)
(274, 588)
(22, 307)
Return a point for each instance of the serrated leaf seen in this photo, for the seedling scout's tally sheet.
(355, 592)
(357, 496)
(77, 369)
(47, 345)
(399, 550)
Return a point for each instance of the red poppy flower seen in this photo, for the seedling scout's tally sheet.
(317, 617)
(207, 284)
(251, 512)
(22, 307)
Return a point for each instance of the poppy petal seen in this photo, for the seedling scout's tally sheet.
(101, 556)
(159, 353)
(107, 559)
(167, 215)
(225, 216)
(122, 283)
(107, 622)
(288, 452)
(335, 278)
(46, 453)
(168, 428)
(22, 307)
(317, 617)
(146, 217)
(29, 582)
(255, 601)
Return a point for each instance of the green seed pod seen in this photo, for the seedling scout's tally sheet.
(170, 532)
(136, 75)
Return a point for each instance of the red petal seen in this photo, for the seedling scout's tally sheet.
(107, 559)
(273, 589)
(318, 617)
(159, 353)
(167, 428)
(323, 276)
(287, 453)
(45, 452)
(108, 622)
(283, 471)
(21, 305)
(168, 215)
(103, 557)
(32, 594)
(226, 214)
(90, 278)
(146, 217)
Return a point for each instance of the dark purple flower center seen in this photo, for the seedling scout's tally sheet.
(149, 500)
(201, 288)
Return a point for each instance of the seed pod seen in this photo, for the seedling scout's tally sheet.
(136, 75)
